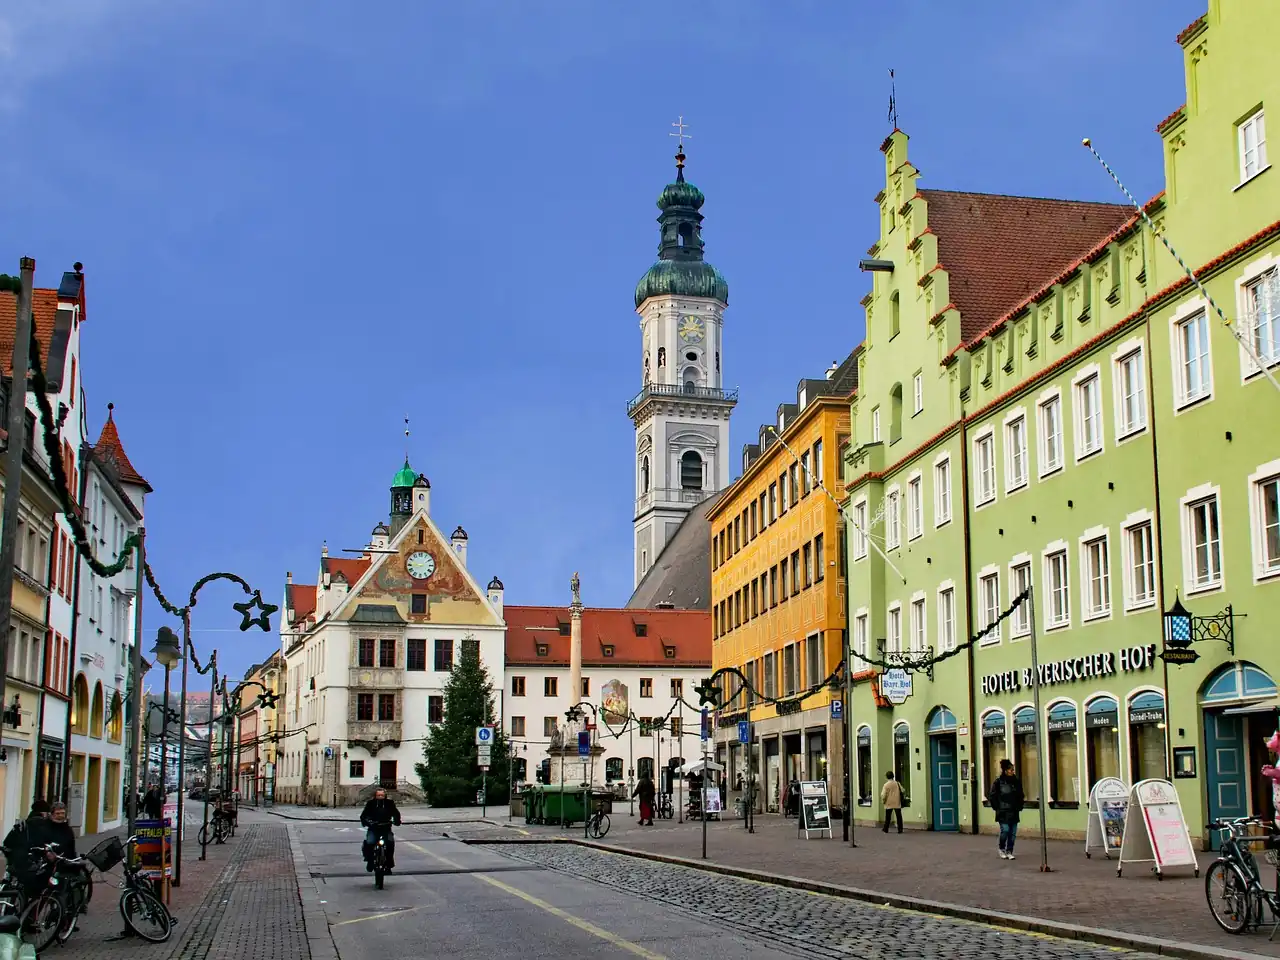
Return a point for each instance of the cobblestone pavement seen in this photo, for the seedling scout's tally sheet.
(822, 925)
(948, 868)
(411, 813)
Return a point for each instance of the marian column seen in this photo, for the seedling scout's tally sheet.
(575, 642)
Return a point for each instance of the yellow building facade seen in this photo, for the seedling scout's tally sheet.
(778, 594)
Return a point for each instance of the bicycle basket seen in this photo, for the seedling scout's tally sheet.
(107, 854)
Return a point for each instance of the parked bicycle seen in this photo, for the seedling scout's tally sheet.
(217, 830)
(598, 823)
(1233, 884)
(665, 809)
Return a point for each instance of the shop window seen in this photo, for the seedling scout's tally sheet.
(1146, 737)
(1064, 755)
(995, 747)
(1102, 739)
(613, 769)
(864, 766)
(902, 760)
(816, 755)
(1026, 753)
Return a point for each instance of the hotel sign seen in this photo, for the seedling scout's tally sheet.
(1128, 660)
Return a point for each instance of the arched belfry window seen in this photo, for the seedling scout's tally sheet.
(690, 470)
(644, 474)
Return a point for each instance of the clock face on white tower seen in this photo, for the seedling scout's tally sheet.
(691, 329)
(420, 565)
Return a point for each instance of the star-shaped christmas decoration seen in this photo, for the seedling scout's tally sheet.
(263, 619)
(267, 700)
(707, 693)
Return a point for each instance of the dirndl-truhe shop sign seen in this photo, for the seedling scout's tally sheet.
(1108, 802)
(1155, 830)
(815, 814)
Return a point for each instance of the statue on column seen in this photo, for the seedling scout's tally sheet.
(576, 586)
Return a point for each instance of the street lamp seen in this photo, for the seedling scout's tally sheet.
(573, 715)
(167, 653)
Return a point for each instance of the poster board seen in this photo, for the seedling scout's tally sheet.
(815, 814)
(1108, 803)
(170, 813)
(154, 850)
(711, 802)
(1155, 831)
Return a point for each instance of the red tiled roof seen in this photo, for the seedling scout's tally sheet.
(688, 631)
(1191, 28)
(353, 569)
(110, 450)
(998, 250)
(44, 313)
(1176, 115)
(302, 598)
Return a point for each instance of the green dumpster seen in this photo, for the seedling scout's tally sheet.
(530, 797)
(563, 804)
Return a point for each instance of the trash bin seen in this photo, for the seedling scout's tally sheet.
(562, 805)
(530, 796)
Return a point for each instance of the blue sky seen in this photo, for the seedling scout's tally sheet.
(302, 222)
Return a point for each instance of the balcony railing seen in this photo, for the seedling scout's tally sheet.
(679, 390)
(376, 678)
(380, 730)
(670, 495)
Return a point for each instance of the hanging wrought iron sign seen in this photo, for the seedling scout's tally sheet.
(1182, 629)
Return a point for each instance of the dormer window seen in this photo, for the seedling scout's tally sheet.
(642, 629)
(564, 628)
(542, 649)
(669, 652)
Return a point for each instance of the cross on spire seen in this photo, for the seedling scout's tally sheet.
(680, 135)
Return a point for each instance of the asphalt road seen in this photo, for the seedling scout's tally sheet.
(447, 899)
(532, 901)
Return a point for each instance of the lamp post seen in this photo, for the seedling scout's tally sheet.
(573, 715)
(167, 652)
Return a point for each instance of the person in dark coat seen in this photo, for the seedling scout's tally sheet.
(645, 792)
(1006, 799)
(378, 815)
(28, 833)
(153, 803)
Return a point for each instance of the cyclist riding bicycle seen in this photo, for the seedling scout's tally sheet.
(377, 817)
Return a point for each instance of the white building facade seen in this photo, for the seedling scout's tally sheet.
(636, 665)
(368, 649)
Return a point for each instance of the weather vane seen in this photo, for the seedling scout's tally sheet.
(406, 439)
(680, 135)
(893, 102)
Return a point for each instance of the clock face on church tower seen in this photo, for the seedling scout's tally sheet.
(691, 329)
(420, 565)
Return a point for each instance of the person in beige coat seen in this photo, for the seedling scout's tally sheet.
(891, 797)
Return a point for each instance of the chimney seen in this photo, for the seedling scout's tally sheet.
(459, 543)
(832, 372)
(288, 576)
(495, 595)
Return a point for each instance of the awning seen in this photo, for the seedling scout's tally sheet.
(696, 767)
(1262, 706)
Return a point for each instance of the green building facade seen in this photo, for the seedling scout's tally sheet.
(1046, 401)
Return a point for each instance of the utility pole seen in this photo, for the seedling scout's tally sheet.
(17, 428)
(135, 672)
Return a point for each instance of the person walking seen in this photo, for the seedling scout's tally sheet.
(891, 797)
(645, 792)
(1006, 798)
(153, 803)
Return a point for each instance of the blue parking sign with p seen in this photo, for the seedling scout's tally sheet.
(744, 731)
(837, 709)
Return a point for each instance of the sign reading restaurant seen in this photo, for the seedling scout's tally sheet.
(1130, 659)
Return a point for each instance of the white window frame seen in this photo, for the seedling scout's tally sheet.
(946, 624)
(1132, 523)
(986, 435)
(1090, 538)
(1043, 464)
(1196, 307)
(985, 576)
(919, 621)
(1266, 472)
(861, 632)
(1253, 274)
(915, 512)
(1187, 505)
(893, 618)
(1020, 621)
(1088, 379)
(941, 492)
(917, 393)
(1013, 482)
(1055, 549)
(875, 424)
(859, 529)
(1130, 350)
(893, 517)
(1259, 124)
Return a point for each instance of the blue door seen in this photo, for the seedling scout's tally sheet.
(942, 761)
(1224, 761)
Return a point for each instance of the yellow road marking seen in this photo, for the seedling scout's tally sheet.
(375, 916)
(568, 918)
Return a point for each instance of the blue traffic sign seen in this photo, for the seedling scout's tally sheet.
(744, 731)
(837, 709)
(584, 743)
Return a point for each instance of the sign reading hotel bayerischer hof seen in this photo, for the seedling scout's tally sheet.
(1073, 669)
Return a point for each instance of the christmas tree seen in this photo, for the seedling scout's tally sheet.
(450, 773)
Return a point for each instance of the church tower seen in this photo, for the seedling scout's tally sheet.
(681, 414)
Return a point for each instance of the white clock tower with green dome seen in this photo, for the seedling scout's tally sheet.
(681, 414)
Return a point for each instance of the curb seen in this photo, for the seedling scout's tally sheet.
(1012, 921)
(320, 943)
(356, 819)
